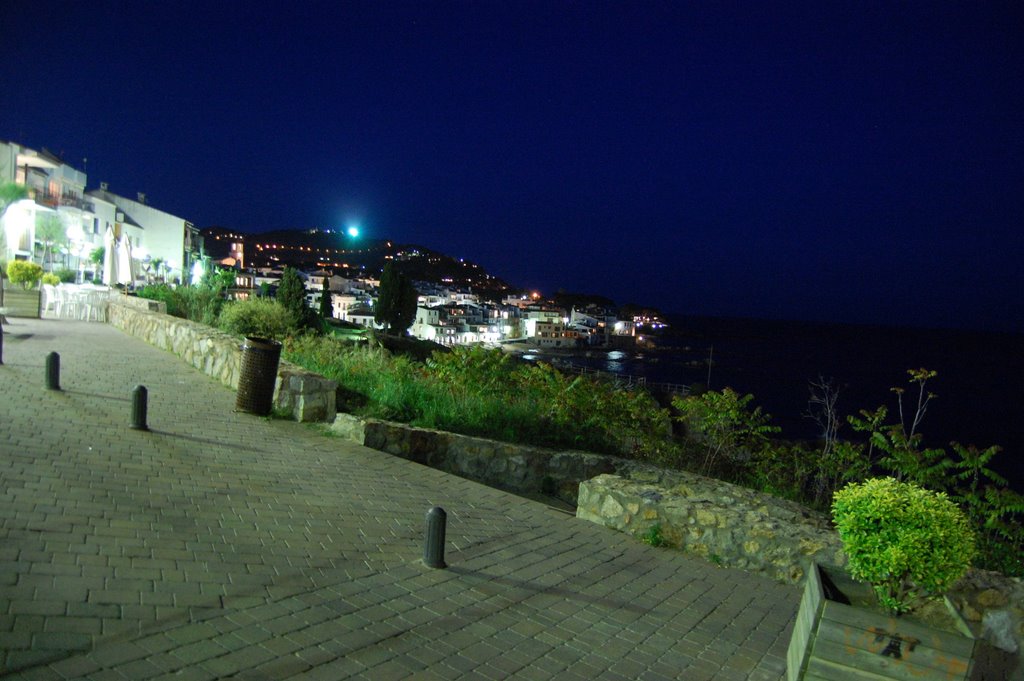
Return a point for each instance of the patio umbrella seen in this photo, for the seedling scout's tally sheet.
(125, 269)
(109, 258)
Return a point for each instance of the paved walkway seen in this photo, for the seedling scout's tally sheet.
(224, 545)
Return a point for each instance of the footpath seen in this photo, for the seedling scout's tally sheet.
(224, 545)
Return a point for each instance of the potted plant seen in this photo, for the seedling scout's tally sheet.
(23, 301)
(906, 547)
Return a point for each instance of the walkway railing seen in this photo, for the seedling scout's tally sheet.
(628, 380)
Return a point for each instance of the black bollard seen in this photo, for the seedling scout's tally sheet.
(139, 408)
(433, 548)
(53, 371)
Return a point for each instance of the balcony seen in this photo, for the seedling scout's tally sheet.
(69, 200)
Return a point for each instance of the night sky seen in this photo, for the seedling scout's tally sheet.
(856, 162)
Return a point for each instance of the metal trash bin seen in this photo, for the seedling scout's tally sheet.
(260, 357)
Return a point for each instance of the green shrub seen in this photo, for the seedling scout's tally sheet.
(24, 273)
(164, 293)
(50, 279)
(724, 426)
(261, 317)
(909, 543)
(480, 392)
(198, 303)
(201, 303)
(66, 276)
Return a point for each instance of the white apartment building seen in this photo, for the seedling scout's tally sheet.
(55, 189)
(551, 334)
(342, 305)
(154, 232)
(427, 325)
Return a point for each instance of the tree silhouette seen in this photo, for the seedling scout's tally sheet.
(326, 309)
(291, 293)
(396, 304)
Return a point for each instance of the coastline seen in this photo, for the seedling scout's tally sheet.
(977, 383)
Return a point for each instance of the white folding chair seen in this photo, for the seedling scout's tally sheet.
(67, 305)
(95, 306)
(50, 298)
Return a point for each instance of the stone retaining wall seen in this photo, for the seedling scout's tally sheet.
(301, 393)
(737, 527)
(517, 468)
(137, 303)
(730, 525)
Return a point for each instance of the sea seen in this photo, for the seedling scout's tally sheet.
(979, 386)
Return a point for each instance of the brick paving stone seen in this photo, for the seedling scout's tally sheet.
(226, 544)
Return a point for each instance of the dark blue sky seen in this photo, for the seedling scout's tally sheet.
(858, 162)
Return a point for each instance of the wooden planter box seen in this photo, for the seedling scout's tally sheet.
(835, 640)
(19, 303)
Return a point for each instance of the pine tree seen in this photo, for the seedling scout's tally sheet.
(396, 303)
(291, 293)
(326, 309)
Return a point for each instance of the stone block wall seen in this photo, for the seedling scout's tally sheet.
(137, 303)
(730, 525)
(737, 527)
(301, 393)
(517, 468)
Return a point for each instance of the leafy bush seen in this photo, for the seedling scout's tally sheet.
(995, 511)
(50, 279)
(261, 317)
(24, 273)
(724, 426)
(201, 303)
(164, 294)
(909, 543)
(197, 303)
(66, 276)
(484, 392)
(548, 407)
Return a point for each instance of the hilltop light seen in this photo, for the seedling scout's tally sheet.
(352, 231)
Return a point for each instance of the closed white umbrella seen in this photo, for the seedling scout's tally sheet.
(109, 258)
(125, 271)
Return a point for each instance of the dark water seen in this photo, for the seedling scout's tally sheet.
(979, 383)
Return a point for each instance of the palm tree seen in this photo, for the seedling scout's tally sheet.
(158, 266)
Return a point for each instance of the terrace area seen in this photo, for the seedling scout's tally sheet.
(224, 545)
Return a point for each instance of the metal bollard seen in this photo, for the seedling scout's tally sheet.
(53, 371)
(433, 548)
(139, 408)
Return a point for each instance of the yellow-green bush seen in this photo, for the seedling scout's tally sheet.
(24, 273)
(909, 543)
